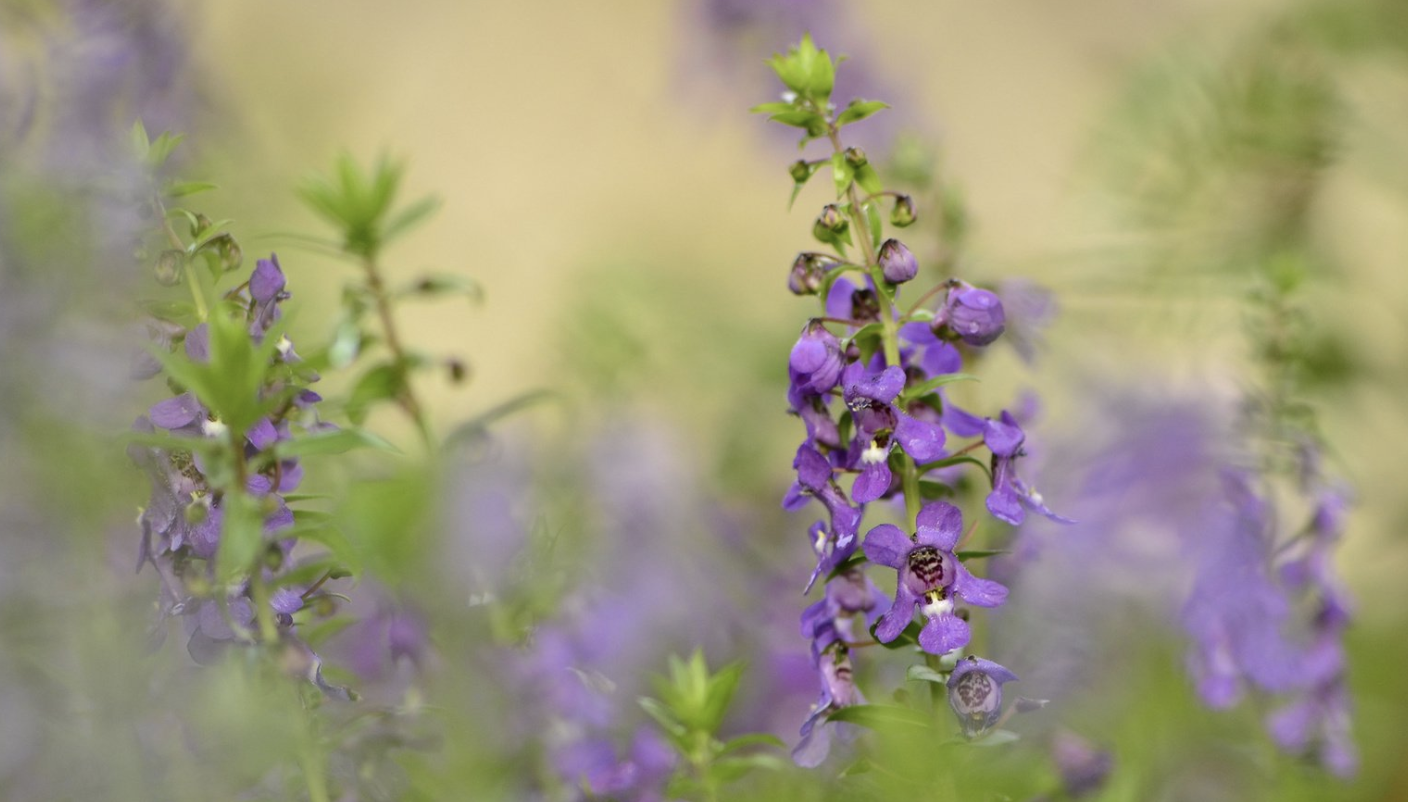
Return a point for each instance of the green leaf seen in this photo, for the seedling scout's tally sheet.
(241, 535)
(882, 717)
(800, 118)
(408, 217)
(140, 142)
(337, 544)
(978, 554)
(872, 216)
(773, 108)
(931, 490)
(182, 312)
(869, 180)
(752, 739)
(842, 172)
(854, 561)
(180, 189)
(996, 738)
(478, 426)
(330, 442)
(923, 673)
(924, 388)
(858, 110)
(728, 769)
(868, 339)
(161, 148)
(663, 716)
(382, 382)
(908, 637)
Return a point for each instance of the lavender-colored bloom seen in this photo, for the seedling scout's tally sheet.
(849, 596)
(814, 478)
(896, 262)
(930, 576)
(975, 316)
(814, 366)
(975, 693)
(1004, 438)
(879, 424)
(1236, 610)
(1082, 766)
(592, 764)
(838, 690)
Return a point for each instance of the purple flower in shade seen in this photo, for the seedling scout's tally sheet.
(266, 290)
(838, 690)
(1004, 438)
(1083, 767)
(930, 576)
(849, 596)
(814, 366)
(975, 693)
(896, 262)
(849, 302)
(1321, 717)
(593, 765)
(975, 316)
(814, 478)
(879, 424)
(1236, 610)
(925, 354)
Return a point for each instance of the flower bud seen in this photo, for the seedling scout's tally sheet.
(814, 366)
(800, 170)
(856, 158)
(199, 224)
(975, 693)
(903, 213)
(897, 263)
(168, 267)
(974, 315)
(229, 252)
(808, 273)
(830, 224)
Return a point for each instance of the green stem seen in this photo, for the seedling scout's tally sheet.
(192, 279)
(889, 327)
(406, 397)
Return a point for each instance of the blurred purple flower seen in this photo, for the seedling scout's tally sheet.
(975, 693)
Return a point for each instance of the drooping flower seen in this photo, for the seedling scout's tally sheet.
(975, 693)
(1004, 438)
(930, 576)
(815, 478)
(838, 690)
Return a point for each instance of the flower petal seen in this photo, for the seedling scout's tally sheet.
(922, 440)
(940, 525)
(895, 619)
(887, 545)
(873, 482)
(173, 413)
(978, 591)
(943, 634)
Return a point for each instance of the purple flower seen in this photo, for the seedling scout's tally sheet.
(1082, 766)
(879, 424)
(814, 478)
(814, 366)
(1004, 438)
(975, 693)
(896, 262)
(974, 315)
(838, 690)
(929, 578)
(849, 596)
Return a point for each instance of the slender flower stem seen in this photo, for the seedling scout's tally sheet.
(192, 280)
(888, 325)
(406, 396)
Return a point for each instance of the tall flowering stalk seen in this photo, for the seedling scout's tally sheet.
(867, 378)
